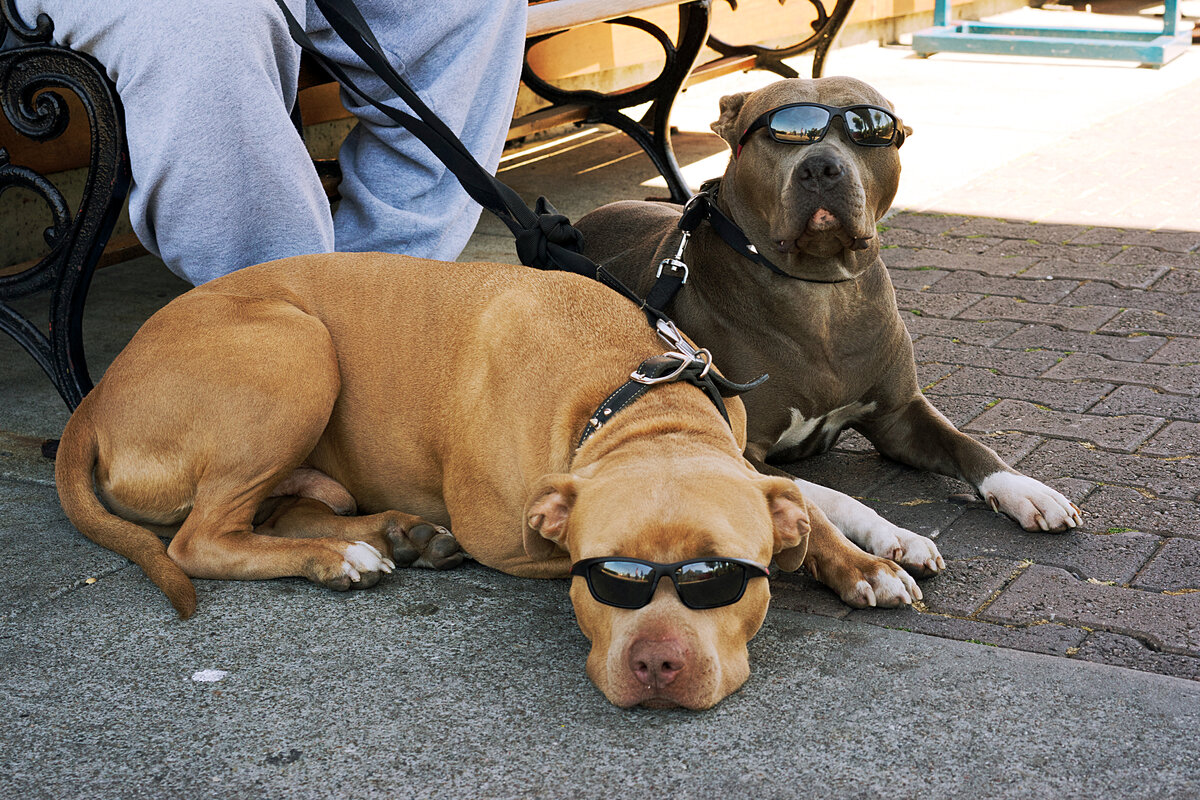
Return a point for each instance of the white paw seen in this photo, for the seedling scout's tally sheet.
(917, 554)
(1033, 504)
(361, 557)
(863, 526)
(884, 586)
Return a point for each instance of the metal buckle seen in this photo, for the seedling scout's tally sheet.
(704, 357)
(684, 361)
(694, 211)
(701, 356)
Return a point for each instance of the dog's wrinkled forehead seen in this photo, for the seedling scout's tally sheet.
(832, 91)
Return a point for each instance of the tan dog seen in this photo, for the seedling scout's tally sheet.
(820, 317)
(250, 416)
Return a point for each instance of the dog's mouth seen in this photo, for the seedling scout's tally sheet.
(667, 699)
(659, 702)
(649, 692)
(823, 235)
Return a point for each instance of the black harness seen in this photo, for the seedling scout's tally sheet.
(545, 239)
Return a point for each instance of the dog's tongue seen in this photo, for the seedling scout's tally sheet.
(823, 220)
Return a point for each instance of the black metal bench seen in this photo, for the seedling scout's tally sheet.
(30, 64)
(32, 68)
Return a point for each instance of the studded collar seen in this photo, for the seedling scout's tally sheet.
(670, 367)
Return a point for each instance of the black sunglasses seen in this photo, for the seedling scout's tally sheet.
(700, 582)
(807, 123)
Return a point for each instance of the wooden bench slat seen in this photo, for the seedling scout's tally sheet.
(720, 66)
(550, 16)
(545, 119)
(124, 247)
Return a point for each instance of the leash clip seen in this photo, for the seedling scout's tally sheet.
(671, 335)
(675, 263)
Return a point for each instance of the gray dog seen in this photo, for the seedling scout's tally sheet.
(784, 277)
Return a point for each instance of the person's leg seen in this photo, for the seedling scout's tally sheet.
(463, 57)
(221, 179)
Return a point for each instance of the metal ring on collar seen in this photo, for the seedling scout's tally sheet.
(684, 361)
(703, 356)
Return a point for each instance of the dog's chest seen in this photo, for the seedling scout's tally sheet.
(805, 436)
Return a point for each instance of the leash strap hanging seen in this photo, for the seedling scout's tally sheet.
(545, 239)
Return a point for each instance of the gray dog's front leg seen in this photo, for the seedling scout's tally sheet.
(917, 434)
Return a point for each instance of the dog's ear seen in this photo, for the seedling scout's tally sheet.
(726, 125)
(905, 132)
(789, 513)
(546, 515)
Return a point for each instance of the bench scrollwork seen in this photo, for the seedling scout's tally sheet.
(33, 72)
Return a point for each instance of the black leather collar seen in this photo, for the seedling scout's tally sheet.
(668, 368)
(703, 207)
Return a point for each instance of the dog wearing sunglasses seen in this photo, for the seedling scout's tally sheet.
(330, 416)
(804, 296)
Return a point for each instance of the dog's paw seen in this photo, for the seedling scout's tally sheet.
(1033, 504)
(424, 545)
(358, 565)
(883, 585)
(917, 554)
(871, 582)
(363, 564)
(867, 529)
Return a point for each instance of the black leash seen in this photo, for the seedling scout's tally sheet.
(545, 238)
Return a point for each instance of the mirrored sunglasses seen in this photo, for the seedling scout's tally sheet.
(807, 123)
(700, 582)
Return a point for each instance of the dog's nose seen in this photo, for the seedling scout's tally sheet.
(820, 171)
(656, 662)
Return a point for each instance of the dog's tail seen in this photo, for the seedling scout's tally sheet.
(73, 473)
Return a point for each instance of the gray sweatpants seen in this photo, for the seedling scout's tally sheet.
(221, 179)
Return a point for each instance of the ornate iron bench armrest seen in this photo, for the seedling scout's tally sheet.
(652, 132)
(32, 72)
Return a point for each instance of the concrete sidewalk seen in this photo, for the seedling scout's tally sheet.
(1046, 252)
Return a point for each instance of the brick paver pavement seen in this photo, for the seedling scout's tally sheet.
(1074, 352)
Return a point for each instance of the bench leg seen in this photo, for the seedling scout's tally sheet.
(653, 131)
(76, 242)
